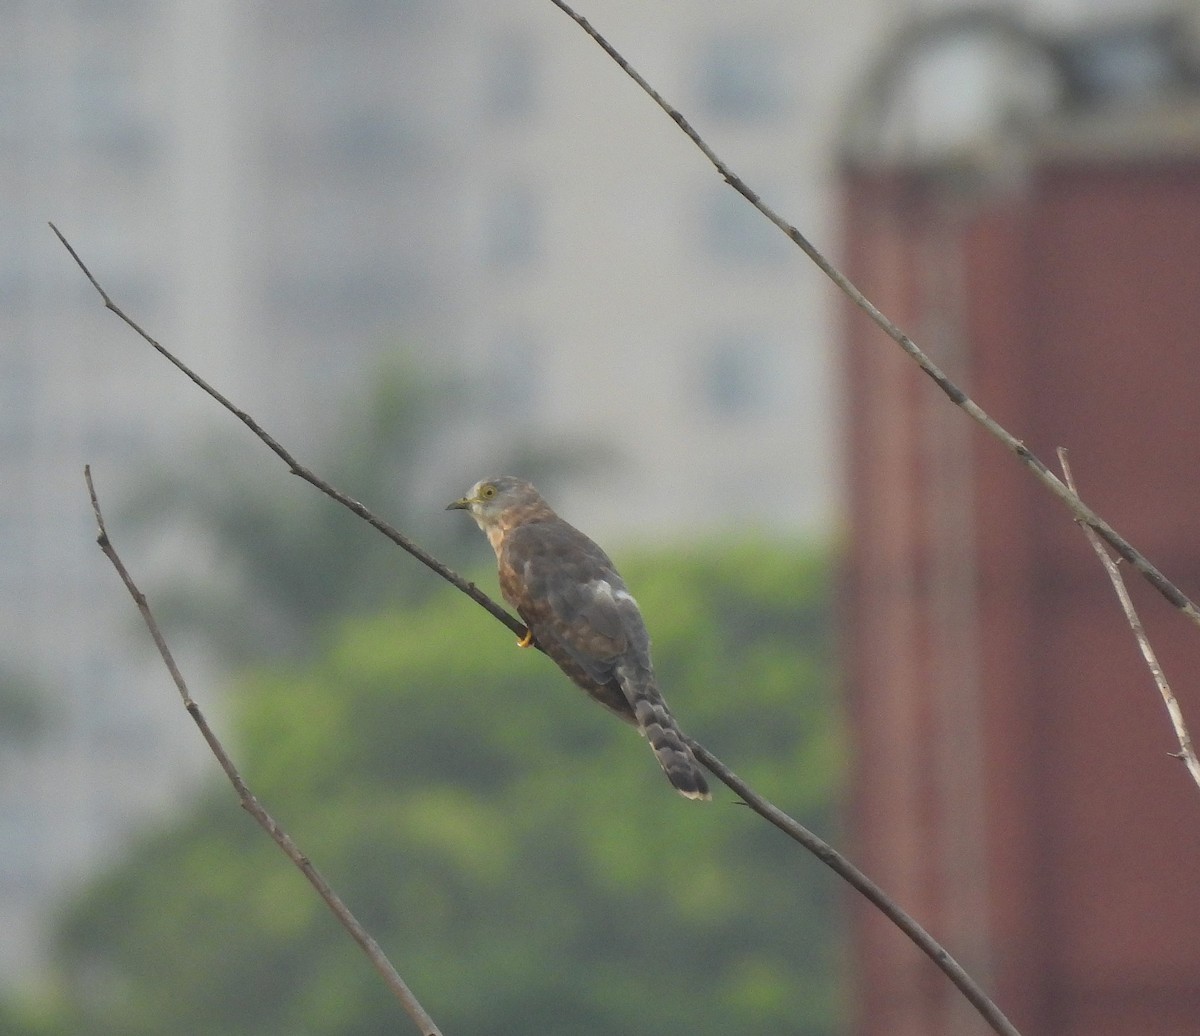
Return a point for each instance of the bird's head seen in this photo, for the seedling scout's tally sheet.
(491, 498)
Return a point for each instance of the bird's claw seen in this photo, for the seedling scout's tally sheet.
(527, 640)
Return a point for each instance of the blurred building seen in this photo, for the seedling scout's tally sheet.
(1027, 205)
(289, 194)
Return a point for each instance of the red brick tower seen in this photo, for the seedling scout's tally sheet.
(1012, 784)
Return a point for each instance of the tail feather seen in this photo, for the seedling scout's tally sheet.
(659, 728)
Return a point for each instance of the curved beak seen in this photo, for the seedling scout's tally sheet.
(460, 505)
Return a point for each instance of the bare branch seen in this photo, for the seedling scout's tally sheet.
(1186, 752)
(957, 396)
(818, 847)
(296, 467)
(836, 862)
(248, 801)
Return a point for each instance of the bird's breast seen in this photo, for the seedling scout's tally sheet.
(495, 535)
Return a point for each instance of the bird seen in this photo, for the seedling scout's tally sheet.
(578, 610)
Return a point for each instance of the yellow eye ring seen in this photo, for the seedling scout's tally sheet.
(487, 492)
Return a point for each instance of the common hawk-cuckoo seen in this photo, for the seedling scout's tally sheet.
(578, 610)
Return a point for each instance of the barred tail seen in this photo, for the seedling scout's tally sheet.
(658, 726)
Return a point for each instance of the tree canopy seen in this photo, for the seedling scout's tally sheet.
(514, 848)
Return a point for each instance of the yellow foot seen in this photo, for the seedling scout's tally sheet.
(527, 640)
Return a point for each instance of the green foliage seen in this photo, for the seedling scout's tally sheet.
(513, 847)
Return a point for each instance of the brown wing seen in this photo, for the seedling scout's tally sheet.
(570, 595)
(581, 614)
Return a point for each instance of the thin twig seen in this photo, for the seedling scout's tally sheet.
(249, 802)
(957, 396)
(1186, 752)
(824, 852)
(296, 467)
(836, 862)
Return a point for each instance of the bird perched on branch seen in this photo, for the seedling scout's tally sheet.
(577, 609)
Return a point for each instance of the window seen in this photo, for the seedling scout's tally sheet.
(509, 78)
(13, 99)
(15, 577)
(107, 111)
(23, 835)
(364, 137)
(736, 374)
(515, 382)
(733, 230)
(18, 394)
(354, 296)
(15, 280)
(511, 227)
(741, 77)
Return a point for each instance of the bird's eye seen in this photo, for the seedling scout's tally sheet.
(487, 492)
